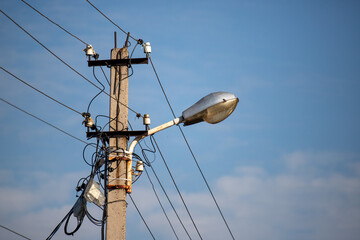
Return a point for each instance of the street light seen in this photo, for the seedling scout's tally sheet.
(212, 108)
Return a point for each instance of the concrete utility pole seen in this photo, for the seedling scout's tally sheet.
(119, 167)
(116, 201)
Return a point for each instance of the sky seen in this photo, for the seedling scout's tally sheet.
(284, 165)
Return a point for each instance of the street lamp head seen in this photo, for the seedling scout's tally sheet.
(212, 108)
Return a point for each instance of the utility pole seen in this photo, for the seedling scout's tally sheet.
(116, 198)
(119, 167)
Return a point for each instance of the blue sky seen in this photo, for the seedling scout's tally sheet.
(284, 165)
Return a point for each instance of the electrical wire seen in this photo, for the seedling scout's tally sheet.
(141, 216)
(49, 50)
(80, 202)
(79, 210)
(162, 207)
(54, 22)
(66, 64)
(177, 189)
(117, 87)
(163, 189)
(192, 153)
(46, 95)
(14, 232)
(43, 121)
(102, 90)
(137, 40)
(207, 184)
(105, 75)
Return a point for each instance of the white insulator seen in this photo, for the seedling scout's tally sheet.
(139, 166)
(147, 47)
(146, 119)
(89, 122)
(89, 50)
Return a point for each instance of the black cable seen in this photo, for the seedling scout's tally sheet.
(106, 172)
(117, 87)
(207, 184)
(177, 189)
(167, 196)
(65, 62)
(141, 216)
(117, 101)
(137, 40)
(105, 75)
(84, 158)
(14, 232)
(163, 90)
(54, 22)
(162, 207)
(27, 84)
(43, 121)
(192, 154)
(153, 151)
(49, 50)
(102, 90)
(80, 200)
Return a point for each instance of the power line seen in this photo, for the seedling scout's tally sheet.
(66, 63)
(40, 91)
(177, 189)
(14, 232)
(207, 184)
(171, 204)
(54, 22)
(42, 120)
(192, 153)
(141, 216)
(163, 189)
(112, 21)
(152, 185)
(162, 207)
(49, 50)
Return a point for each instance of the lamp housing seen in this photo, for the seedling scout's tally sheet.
(212, 108)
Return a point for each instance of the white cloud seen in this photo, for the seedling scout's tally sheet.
(260, 205)
(257, 204)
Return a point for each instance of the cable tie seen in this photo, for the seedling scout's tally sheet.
(125, 179)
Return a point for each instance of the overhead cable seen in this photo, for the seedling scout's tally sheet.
(42, 120)
(46, 95)
(54, 22)
(162, 207)
(137, 40)
(192, 153)
(66, 63)
(102, 90)
(14, 232)
(171, 204)
(141, 216)
(177, 189)
(49, 50)
(163, 189)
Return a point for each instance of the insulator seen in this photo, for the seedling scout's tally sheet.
(147, 47)
(89, 50)
(89, 122)
(139, 166)
(146, 119)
